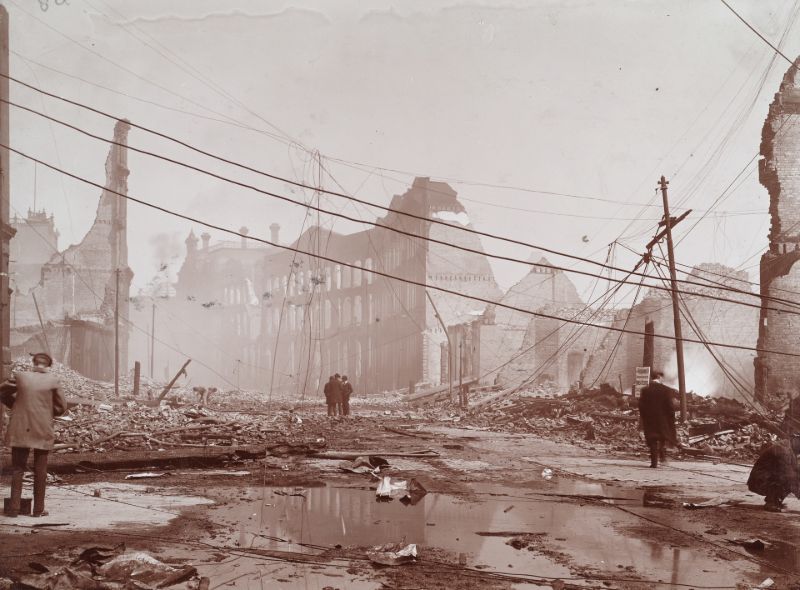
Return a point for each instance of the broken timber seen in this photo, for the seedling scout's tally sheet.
(182, 371)
(493, 399)
(351, 455)
(434, 395)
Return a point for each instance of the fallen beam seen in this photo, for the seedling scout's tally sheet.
(351, 455)
(702, 437)
(433, 395)
(498, 397)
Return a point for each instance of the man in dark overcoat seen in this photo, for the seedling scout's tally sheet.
(333, 393)
(347, 391)
(657, 419)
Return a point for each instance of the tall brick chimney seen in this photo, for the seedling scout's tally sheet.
(206, 237)
(274, 233)
(244, 231)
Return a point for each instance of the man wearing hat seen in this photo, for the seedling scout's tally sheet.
(35, 399)
(657, 419)
(775, 474)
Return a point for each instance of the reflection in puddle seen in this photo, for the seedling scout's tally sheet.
(567, 519)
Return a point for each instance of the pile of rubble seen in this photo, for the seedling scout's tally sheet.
(718, 427)
(131, 426)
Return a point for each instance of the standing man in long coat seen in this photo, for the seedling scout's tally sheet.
(35, 398)
(347, 391)
(332, 392)
(657, 417)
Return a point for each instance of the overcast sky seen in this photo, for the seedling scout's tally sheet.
(589, 98)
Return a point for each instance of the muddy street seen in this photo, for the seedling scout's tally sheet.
(497, 510)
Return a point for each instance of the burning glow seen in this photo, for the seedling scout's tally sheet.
(703, 375)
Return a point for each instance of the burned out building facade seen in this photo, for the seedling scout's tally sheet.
(285, 320)
(705, 317)
(779, 172)
(322, 317)
(64, 302)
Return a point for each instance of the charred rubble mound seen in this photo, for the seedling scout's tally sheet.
(716, 426)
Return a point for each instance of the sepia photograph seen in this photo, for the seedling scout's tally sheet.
(399, 294)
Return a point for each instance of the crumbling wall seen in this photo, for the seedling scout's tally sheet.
(542, 288)
(726, 322)
(779, 173)
(80, 283)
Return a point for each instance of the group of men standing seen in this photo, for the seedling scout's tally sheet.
(337, 391)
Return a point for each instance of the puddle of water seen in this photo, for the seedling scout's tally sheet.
(784, 555)
(561, 524)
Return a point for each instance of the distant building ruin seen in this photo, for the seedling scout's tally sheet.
(281, 320)
(270, 319)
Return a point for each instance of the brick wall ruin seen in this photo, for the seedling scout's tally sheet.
(779, 172)
(717, 321)
(78, 285)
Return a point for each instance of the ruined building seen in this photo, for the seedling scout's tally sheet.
(276, 320)
(271, 319)
(615, 356)
(64, 302)
(35, 242)
(777, 374)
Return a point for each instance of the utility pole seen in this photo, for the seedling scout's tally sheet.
(152, 341)
(461, 396)
(116, 333)
(41, 324)
(6, 231)
(675, 306)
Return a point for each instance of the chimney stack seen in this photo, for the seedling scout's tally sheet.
(206, 237)
(244, 231)
(274, 230)
(191, 244)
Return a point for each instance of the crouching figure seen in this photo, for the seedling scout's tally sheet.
(775, 474)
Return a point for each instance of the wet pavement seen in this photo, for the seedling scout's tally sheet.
(539, 531)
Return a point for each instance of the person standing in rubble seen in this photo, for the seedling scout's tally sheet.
(657, 419)
(35, 401)
(775, 474)
(337, 402)
(332, 392)
(347, 391)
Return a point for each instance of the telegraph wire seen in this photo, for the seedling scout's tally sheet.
(125, 69)
(715, 154)
(292, 182)
(608, 295)
(389, 227)
(735, 380)
(760, 36)
(350, 265)
(613, 353)
(364, 166)
(187, 67)
(98, 298)
(130, 96)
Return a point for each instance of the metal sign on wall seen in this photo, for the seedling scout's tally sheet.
(641, 380)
